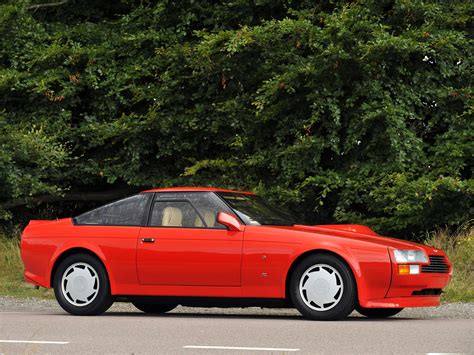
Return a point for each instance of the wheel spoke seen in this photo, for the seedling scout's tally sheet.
(321, 287)
(80, 284)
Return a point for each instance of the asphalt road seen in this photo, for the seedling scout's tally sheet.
(233, 331)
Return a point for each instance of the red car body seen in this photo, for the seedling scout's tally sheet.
(253, 262)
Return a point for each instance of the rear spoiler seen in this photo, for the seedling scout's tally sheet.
(39, 221)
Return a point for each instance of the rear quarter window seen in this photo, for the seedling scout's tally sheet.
(126, 212)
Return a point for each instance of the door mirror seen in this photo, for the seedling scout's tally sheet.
(230, 221)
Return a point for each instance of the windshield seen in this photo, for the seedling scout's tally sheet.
(253, 210)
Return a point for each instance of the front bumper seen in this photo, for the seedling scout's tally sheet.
(403, 302)
(405, 292)
(419, 290)
(406, 285)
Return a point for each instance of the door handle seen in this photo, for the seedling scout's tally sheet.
(148, 240)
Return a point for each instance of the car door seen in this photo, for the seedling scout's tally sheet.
(182, 244)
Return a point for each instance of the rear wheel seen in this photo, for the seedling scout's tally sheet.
(154, 307)
(322, 288)
(81, 285)
(378, 312)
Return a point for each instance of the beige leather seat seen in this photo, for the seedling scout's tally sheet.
(172, 217)
(209, 218)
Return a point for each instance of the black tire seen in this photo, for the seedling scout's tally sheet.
(346, 301)
(378, 312)
(102, 299)
(154, 308)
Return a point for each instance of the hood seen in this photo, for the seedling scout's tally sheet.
(364, 233)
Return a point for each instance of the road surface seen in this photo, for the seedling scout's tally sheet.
(233, 331)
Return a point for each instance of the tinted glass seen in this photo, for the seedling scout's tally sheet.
(126, 212)
(175, 214)
(255, 211)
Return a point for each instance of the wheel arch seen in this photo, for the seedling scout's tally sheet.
(72, 251)
(294, 264)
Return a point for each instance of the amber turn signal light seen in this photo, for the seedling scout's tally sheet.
(404, 269)
(408, 269)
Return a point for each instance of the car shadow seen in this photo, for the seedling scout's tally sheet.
(197, 315)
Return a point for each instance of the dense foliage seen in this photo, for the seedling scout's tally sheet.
(344, 111)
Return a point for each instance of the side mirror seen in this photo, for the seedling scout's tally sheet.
(230, 221)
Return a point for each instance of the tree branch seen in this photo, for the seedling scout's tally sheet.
(72, 196)
(42, 6)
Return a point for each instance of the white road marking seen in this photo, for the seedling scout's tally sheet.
(25, 312)
(237, 348)
(34, 342)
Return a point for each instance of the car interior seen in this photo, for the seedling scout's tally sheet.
(176, 217)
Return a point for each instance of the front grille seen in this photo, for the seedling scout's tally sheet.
(437, 264)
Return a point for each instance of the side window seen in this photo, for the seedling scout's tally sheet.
(207, 205)
(175, 214)
(126, 212)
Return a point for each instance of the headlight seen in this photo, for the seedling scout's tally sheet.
(410, 256)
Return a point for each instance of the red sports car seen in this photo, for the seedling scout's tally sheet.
(220, 248)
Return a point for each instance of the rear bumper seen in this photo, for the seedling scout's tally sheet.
(35, 279)
(402, 302)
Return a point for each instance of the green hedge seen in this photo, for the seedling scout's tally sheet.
(355, 111)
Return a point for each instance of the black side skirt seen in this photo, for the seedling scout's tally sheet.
(220, 302)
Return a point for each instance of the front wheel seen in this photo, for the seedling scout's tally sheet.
(322, 287)
(81, 285)
(154, 308)
(378, 312)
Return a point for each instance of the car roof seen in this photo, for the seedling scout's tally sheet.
(192, 189)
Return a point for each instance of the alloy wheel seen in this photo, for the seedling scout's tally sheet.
(321, 287)
(80, 284)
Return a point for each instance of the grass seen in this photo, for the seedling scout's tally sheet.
(459, 247)
(11, 272)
